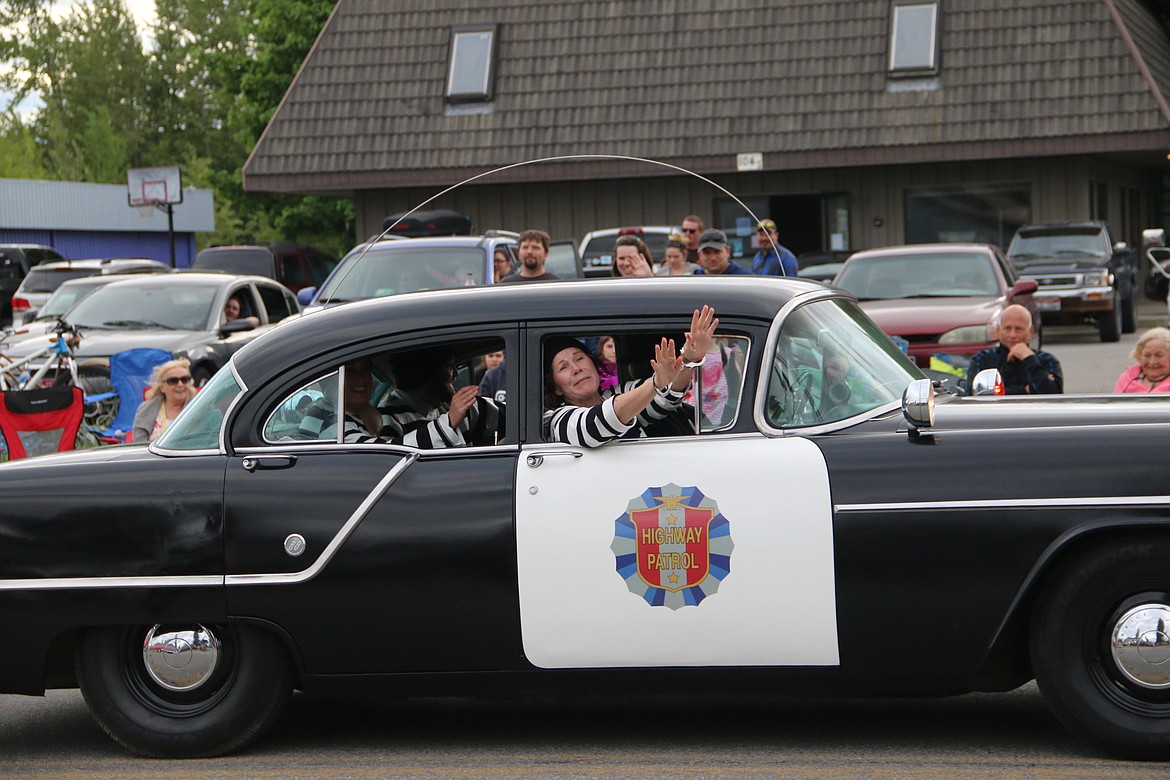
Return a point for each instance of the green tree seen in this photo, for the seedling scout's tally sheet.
(18, 150)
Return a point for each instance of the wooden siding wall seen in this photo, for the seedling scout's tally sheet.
(1059, 192)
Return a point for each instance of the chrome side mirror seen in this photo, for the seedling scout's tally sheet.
(918, 406)
(987, 382)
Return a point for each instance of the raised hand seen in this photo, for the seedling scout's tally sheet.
(666, 363)
(703, 325)
(463, 400)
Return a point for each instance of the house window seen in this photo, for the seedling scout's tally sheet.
(914, 38)
(472, 64)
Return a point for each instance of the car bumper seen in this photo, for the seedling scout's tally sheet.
(1079, 300)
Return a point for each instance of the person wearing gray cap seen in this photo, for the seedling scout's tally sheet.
(715, 256)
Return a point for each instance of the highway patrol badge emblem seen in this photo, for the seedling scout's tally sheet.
(672, 546)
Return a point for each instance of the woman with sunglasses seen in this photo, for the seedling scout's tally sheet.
(169, 390)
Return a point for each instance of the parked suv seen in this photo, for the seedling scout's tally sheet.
(1083, 275)
(402, 265)
(296, 266)
(15, 262)
(43, 280)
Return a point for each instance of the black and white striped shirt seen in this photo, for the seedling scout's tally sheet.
(592, 426)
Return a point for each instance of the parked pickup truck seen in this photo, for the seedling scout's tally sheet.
(1083, 275)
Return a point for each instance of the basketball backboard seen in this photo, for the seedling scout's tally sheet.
(154, 186)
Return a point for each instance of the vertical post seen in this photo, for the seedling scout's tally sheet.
(171, 230)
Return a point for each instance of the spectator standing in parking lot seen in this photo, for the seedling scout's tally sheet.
(715, 256)
(501, 265)
(533, 254)
(772, 259)
(631, 258)
(692, 228)
(1024, 372)
(674, 262)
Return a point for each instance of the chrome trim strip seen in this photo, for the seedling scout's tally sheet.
(293, 578)
(65, 583)
(216, 580)
(1007, 503)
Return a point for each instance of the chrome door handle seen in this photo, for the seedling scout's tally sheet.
(253, 462)
(536, 458)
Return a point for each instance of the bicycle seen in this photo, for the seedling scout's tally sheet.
(55, 365)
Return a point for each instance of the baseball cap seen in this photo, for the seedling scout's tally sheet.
(713, 238)
(767, 225)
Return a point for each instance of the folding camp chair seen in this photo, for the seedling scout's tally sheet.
(130, 372)
(40, 421)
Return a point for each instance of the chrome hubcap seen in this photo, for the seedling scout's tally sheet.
(1140, 645)
(180, 660)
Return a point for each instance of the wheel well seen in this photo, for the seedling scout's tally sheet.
(1007, 665)
(59, 671)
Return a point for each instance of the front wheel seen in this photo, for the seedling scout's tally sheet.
(1100, 645)
(183, 691)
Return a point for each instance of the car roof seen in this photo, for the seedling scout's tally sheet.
(399, 242)
(192, 277)
(566, 301)
(98, 263)
(923, 249)
(632, 229)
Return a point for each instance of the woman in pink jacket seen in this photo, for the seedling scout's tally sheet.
(1152, 372)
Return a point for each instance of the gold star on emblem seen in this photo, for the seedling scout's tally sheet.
(674, 579)
(669, 502)
(671, 520)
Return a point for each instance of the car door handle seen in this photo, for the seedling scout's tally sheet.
(268, 462)
(536, 458)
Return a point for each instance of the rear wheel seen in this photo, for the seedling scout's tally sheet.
(1129, 311)
(1109, 322)
(1100, 644)
(183, 691)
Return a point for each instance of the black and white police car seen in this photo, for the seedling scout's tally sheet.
(833, 527)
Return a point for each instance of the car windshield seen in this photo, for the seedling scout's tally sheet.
(832, 363)
(392, 269)
(129, 305)
(44, 280)
(67, 296)
(1052, 243)
(933, 275)
(197, 426)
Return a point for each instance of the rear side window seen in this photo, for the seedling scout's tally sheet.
(237, 261)
(320, 266)
(291, 271)
(38, 256)
(45, 281)
(275, 304)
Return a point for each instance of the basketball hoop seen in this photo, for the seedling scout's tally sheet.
(146, 211)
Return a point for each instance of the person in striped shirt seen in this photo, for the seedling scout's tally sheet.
(578, 412)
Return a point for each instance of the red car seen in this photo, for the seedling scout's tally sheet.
(937, 298)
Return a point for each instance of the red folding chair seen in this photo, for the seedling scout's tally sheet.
(40, 421)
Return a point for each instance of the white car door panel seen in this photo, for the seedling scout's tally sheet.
(676, 552)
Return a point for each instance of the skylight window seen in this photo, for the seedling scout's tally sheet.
(914, 38)
(472, 64)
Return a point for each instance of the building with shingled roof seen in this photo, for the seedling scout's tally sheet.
(853, 124)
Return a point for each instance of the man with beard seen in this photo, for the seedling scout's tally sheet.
(533, 253)
(427, 412)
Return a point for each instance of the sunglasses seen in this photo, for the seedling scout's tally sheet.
(174, 380)
(690, 230)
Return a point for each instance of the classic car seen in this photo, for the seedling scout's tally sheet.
(938, 298)
(833, 527)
